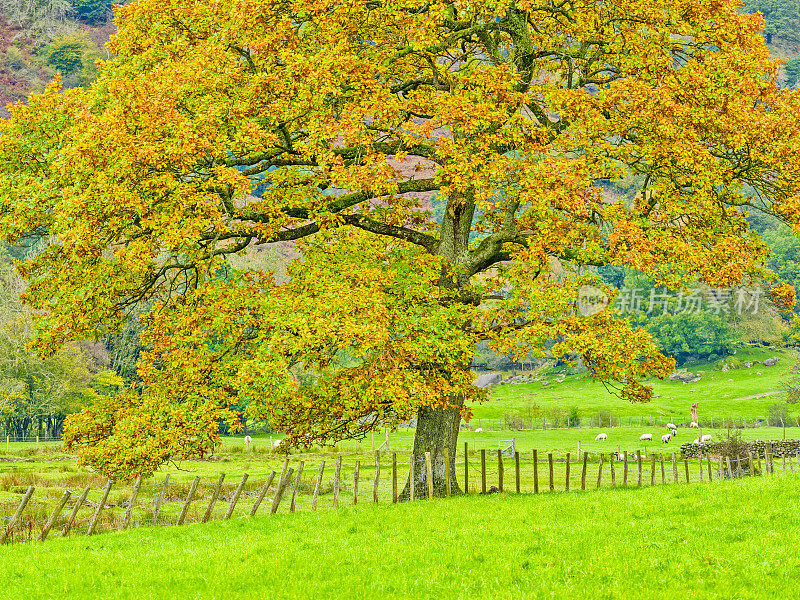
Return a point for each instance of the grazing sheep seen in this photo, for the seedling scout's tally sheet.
(666, 438)
(696, 441)
(694, 425)
(671, 426)
(705, 438)
(247, 441)
(619, 456)
(276, 443)
(479, 430)
(646, 437)
(601, 437)
(674, 432)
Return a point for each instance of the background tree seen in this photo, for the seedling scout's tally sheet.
(345, 117)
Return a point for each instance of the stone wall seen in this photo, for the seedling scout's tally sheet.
(757, 447)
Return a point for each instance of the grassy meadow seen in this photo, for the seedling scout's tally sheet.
(719, 540)
(734, 394)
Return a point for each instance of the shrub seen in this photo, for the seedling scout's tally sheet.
(13, 58)
(573, 419)
(513, 421)
(604, 418)
(778, 413)
(557, 415)
(734, 448)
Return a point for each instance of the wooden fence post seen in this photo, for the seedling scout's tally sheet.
(700, 467)
(500, 469)
(355, 482)
(189, 496)
(625, 468)
(159, 500)
(675, 467)
(466, 468)
(17, 514)
(535, 472)
(769, 460)
(516, 467)
(214, 497)
(550, 463)
(238, 492)
(639, 460)
(447, 486)
(282, 483)
(686, 468)
(264, 491)
(297, 480)
(394, 477)
(317, 485)
(611, 468)
(483, 470)
(78, 503)
(783, 464)
(600, 471)
(100, 506)
(583, 471)
(730, 471)
(429, 473)
(708, 462)
(377, 476)
(57, 511)
(131, 503)
(750, 463)
(663, 471)
(337, 473)
(652, 469)
(411, 477)
(566, 482)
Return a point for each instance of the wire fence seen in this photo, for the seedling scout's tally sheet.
(519, 423)
(326, 483)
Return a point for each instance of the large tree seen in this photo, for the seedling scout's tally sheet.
(224, 124)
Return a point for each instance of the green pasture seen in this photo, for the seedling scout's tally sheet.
(728, 395)
(729, 539)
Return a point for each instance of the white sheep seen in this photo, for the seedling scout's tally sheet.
(601, 437)
(666, 438)
(479, 430)
(247, 441)
(671, 426)
(705, 438)
(674, 432)
(276, 444)
(696, 441)
(694, 425)
(646, 437)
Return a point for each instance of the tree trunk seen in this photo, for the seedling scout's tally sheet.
(437, 429)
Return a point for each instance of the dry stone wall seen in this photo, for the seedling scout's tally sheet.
(757, 447)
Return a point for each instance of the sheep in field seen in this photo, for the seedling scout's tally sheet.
(601, 437)
(666, 438)
(671, 426)
(247, 441)
(479, 430)
(705, 438)
(646, 437)
(694, 425)
(696, 441)
(674, 432)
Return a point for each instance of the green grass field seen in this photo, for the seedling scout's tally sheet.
(720, 540)
(728, 395)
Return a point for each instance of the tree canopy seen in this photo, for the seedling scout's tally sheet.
(224, 124)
